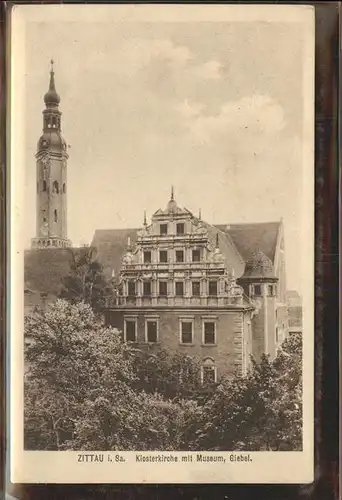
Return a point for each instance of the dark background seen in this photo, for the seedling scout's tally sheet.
(326, 484)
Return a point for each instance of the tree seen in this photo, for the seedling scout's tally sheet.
(172, 374)
(86, 281)
(262, 411)
(81, 389)
(70, 359)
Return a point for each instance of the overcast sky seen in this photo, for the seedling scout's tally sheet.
(213, 108)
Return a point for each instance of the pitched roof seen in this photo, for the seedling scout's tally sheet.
(45, 268)
(111, 245)
(251, 238)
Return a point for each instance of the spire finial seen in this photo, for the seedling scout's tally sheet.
(200, 214)
(52, 63)
(172, 193)
(128, 242)
(145, 220)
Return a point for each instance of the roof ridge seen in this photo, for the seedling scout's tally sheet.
(248, 223)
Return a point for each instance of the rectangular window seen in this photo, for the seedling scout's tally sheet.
(179, 256)
(147, 257)
(163, 228)
(277, 335)
(270, 290)
(131, 288)
(257, 290)
(212, 288)
(151, 331)
(186, 332)
(180, 229)
(163, 288)
(196, 292)
(209, 375)
(163, 256)
(196, 255)
(209, 332)
(179, 288)
(130, 330)
(147, 288)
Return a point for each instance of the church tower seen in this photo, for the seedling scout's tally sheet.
(51, 161)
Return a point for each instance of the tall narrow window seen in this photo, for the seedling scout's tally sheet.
(147, 288)
(163, 228)
(163, 256)
(209, 332)
(55, 187)
(196, 289)
(196, 255)
(270, 290)
(151, 331)
(179, 256)
(55, 215)
(64, 189)
(257, 290)
(209, 375)
(163, 288)
(44, 186)
(130, 330)
(131, 288)
(186, 332)
(180, 229)
(179, 288)
(147, 257)
(212, 288)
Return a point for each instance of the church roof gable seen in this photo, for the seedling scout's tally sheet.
(253, 237)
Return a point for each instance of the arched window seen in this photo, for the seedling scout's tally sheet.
(64, 188)
(55, 187)
(208, 372)
(55, 215)
(44, 186)
(54, 121)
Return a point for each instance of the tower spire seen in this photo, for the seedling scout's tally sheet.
(217, 240)
(51, 98)
(172, 194)
(145, 220)
(200, 214)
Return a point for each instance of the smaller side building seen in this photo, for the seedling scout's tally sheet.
(295, 312)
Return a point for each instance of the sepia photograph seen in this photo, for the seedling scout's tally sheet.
(164, 237)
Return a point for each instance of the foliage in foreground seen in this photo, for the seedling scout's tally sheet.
(86, 389)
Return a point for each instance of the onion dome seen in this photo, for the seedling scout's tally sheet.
(51, 97)
(259, 266)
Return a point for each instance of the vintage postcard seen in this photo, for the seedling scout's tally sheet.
(162, 243)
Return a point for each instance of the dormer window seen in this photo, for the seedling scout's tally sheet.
(131, 288)
(163, 229)
(179, 256)
(147, 257)
(180, 229)
(196, 255)
(163, 256)
(212, 288)
(147, 288)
